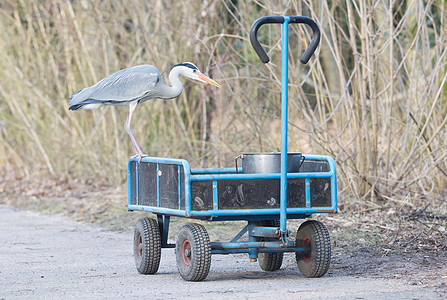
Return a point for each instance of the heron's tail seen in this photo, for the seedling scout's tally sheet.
(87, 104)
(76, 106)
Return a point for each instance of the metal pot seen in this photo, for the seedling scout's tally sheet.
(268, 162)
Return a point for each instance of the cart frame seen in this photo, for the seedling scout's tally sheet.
(262, 239)
(216, 174)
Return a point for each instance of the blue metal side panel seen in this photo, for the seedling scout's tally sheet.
(215, 175)
(158, 210)
(272, 211)
(187, 171)
(187, 191)
(215, 170)
(308, 192)
(137, 184)
(215, 197)
(129, 185)
(158, 185)
(333, 170)
(179, 188)
(259, 176)
(332, 167)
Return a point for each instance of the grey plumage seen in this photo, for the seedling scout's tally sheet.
(134, 85)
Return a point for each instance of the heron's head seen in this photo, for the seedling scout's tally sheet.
(191, 71)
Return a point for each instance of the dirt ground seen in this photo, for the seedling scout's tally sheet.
(389, 242)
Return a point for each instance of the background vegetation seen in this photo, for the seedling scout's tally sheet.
(374, 96)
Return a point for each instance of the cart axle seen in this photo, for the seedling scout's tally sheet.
(260, 250)
(273, 246)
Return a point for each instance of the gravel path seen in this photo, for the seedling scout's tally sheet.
(53, 257)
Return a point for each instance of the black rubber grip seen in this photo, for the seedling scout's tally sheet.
(279, 20)
(315, 36)
(254, 35)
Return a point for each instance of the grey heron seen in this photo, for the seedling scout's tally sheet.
(135, 85)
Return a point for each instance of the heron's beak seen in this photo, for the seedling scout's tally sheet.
(205, 78)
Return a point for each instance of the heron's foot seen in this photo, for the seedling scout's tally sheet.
(140, 156)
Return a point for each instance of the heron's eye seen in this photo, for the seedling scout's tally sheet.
(194, 70)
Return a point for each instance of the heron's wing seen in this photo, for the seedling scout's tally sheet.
(119, 88)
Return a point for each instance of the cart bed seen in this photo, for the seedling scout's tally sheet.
(169, 186)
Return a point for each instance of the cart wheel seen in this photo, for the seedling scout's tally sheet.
(314, 263)
(270, 261)
(147, 246)
(193, 252)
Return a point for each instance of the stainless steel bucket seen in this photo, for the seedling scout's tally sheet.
(268, 162)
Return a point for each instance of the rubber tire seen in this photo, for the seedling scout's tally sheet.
(147, 246)
(270, 262)
(200, 252)
(317, 264)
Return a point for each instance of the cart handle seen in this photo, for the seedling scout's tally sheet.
(280, 20)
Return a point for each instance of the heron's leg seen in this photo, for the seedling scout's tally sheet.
(138, 151)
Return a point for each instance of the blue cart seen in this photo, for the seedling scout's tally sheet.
(266, 190)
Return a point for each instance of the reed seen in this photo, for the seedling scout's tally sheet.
(374, 96)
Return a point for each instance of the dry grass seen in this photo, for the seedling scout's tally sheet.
(374, 96)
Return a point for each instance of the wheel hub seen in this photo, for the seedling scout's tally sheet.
(306, 244)
(186, 251)
(140, 246)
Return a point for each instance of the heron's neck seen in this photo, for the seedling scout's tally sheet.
(175, 87)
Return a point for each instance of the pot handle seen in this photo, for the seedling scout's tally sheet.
(235, 161)
(303, 158)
